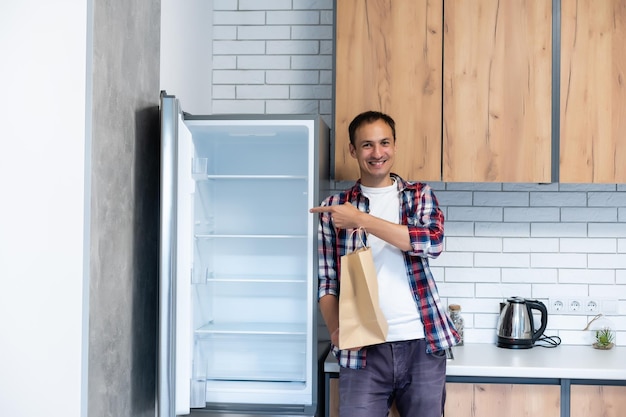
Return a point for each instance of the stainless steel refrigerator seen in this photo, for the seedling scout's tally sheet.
(238, 262)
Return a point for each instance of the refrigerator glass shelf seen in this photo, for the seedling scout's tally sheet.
(287, 279)
(270, 376)
(293, 329)
(257, 386)
(229, 236)
(251, 357)
(200, 177)
(260, 207)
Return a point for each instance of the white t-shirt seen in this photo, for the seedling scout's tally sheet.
(394, 292)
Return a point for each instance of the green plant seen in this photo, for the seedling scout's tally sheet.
(604, 337)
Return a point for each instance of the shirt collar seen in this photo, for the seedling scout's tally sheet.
(355, 191)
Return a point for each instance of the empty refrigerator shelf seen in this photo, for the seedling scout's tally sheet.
(286, 279)
(271, 376)
(200, 177)
(235, 236)
(296, 329)
(248, 356)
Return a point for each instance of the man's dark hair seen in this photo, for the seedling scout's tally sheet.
(370, 117)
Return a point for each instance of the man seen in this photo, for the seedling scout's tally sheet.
(405, 227)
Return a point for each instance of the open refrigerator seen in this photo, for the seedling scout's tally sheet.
(238, 262)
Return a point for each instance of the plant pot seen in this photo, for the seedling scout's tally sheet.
(603, 347)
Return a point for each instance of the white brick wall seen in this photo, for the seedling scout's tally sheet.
(273, 56)
(532, 240)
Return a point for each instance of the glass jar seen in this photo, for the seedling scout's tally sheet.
(457, 320)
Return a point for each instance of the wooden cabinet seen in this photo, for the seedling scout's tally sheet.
(497, 68)
(593, 91)
(388, 58)
(497, 400)
(468, 84)
(605, 401)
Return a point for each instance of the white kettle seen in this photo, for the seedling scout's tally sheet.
(516, 328)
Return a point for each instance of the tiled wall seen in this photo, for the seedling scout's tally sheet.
(273, 57)
(531, 240)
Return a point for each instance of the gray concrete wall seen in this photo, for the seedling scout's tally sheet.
(124, 212)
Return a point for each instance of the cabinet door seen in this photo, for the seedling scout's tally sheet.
(597, 401)
(497, 91)
(593, 91)
(496, 400)
(388, 58)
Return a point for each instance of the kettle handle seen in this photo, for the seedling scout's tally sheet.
(538, 305)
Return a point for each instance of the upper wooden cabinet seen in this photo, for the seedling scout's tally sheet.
(497, 70)
(593, 91)
(388, 58)
(470, 85)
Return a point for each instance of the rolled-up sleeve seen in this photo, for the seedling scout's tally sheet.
(425, 224)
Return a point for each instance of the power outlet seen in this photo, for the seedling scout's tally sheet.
(583, 305)
(575, 305)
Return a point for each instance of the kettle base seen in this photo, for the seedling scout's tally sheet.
(504, 342)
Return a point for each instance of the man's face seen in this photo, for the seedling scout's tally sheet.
(374, 149)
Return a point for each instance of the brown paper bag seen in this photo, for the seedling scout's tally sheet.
(361, 322)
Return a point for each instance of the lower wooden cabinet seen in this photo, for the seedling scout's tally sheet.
(597, 401)
(497, 400)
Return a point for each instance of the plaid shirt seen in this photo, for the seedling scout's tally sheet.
(419, 210)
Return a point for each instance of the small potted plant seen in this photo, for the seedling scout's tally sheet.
(604, 338)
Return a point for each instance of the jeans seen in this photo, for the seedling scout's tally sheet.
(400, 371)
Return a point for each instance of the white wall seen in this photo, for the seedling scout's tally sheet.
(42, 229)
(186, 57)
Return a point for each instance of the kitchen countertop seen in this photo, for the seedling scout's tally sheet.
(564, 362)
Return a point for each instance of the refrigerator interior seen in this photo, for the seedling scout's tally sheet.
(245, 263)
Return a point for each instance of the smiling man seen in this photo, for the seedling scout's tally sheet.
(405, 227)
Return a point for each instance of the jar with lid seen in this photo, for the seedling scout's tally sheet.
(457, 320)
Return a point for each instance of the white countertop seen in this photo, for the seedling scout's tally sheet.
(567, 362)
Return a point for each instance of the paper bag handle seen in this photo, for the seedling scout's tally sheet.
(362, 234)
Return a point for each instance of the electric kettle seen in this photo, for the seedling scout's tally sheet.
(516, 327)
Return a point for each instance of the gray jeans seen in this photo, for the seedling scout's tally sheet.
(400, 371)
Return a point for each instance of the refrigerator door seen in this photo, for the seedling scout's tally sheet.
(243, 265)
(174, 305)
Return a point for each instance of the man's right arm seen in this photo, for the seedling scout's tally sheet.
(329, 307)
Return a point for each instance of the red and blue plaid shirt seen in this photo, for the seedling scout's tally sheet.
(419, 210)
